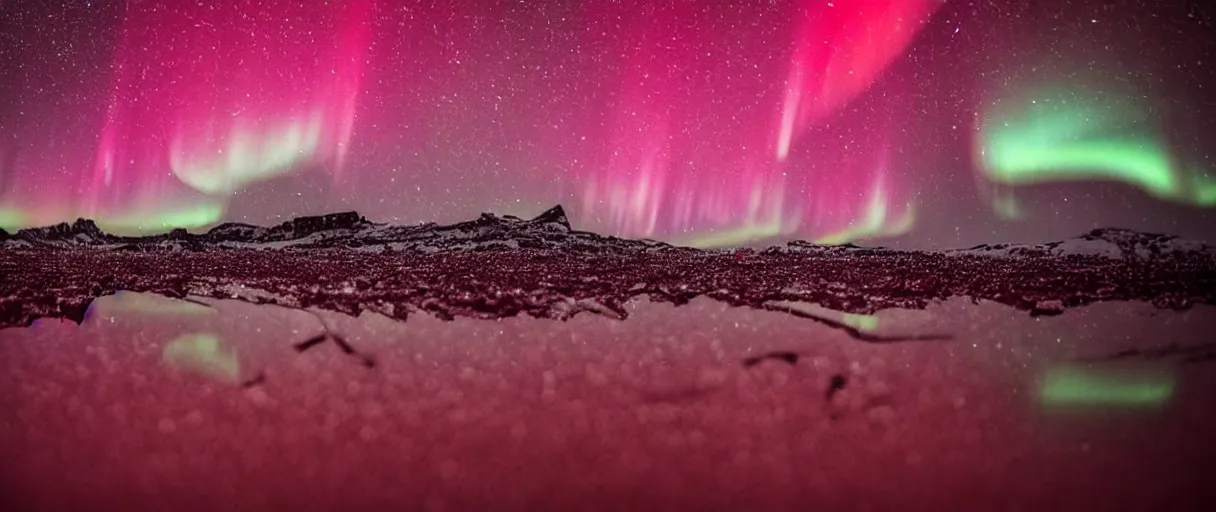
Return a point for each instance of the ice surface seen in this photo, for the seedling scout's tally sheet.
(661, 411)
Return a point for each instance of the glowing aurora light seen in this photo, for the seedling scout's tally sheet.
(839, 51)
(222, 98)
(12, 219)
(877, 222)
(687, 153)
(766, 216)
(248, 157)
(1070, 134)
(200, 214)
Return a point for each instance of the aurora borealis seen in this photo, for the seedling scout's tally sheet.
(915, 122)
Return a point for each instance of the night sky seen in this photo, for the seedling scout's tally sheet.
(909, 123)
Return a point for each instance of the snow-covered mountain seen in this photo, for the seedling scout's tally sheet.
(1113, 243)
(83, 232)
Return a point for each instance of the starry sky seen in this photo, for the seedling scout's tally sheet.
(906, 123)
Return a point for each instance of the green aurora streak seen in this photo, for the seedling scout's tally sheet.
(1068, 134)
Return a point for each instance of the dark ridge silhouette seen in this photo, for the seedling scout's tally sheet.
(555, 215)
(346, 230)
(549, 230)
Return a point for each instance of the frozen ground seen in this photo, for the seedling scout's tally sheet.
(156, 403)
(330, 363)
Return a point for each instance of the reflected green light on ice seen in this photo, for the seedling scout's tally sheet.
(124, 301)
(203, 355)
(1069, 134)
(1073, 385)
(863, 323)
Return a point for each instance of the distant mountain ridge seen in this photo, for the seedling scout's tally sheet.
(549, 230)
(1112, 243)
(344, 230)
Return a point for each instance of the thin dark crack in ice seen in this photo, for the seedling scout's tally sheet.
(364, 359)
(835, 385)
(853, 331)
(328, 333)
(257, 380)
(790, 358)
(311, 342)
(1201, 353)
